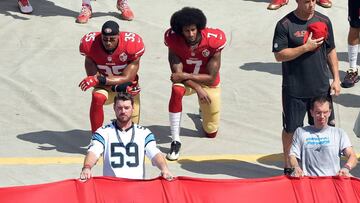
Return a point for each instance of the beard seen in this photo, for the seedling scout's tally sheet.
(123, 118)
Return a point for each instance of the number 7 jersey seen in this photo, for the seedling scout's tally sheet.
(195, 59)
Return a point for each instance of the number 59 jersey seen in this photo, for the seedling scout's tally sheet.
(124, 151)
(130, 48)
(195, 59)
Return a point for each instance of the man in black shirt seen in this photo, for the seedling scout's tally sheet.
(305, 66)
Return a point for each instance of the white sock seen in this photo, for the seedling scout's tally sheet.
(86, 2)
(353, 52)
(175, 119)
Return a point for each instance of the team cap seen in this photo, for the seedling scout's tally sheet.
(110, 28)
(318, 29)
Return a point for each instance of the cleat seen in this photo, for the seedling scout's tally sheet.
(211, 135)
(25, 6)
(276, 4)
(85, 14)
(350, 78)
(324, 3)
(126, 12)
(174, 151)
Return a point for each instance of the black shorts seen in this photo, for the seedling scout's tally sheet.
(354, 13)
(294, 110)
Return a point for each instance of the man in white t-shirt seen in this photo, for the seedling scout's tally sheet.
(123, 146)
(319, 147)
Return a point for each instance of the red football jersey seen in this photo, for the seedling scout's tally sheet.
(194, 60)
(130, 48)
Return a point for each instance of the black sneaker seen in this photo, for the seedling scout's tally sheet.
(174, 151)
(288, 171)
(350, 79)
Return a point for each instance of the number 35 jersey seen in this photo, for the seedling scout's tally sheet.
(124, 151)
(130, 48)
(195, 59)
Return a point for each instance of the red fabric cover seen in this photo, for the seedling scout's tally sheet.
(190, 190)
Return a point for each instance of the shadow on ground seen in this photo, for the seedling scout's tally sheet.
(234, 168)
(74, 141)
(348, 100)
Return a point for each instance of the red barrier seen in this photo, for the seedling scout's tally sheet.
(190, 190)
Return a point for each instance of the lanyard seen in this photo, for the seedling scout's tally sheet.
(118, 136)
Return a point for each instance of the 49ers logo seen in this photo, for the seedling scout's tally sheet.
(300, 33)
(123, 57)
(205, 53)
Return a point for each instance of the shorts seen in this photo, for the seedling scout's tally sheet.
(294, 110)
(354, 13)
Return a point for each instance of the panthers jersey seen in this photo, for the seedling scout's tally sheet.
(130, 48)
(195, 59)
(123, 151)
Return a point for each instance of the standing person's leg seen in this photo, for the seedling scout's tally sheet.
(286, 138)
(124, 8)
(85, 13)
(276, 4)
(294, 110)
(324, 3)
(352, 76)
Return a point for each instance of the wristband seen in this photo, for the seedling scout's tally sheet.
(120, 87)
(86, 166)
(102, 79)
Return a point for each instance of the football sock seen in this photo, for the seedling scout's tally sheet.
(97, 111)
(175, 119)
(352, 53)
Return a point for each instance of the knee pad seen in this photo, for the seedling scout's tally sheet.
(175, 103)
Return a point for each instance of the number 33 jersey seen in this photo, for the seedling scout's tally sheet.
(124, 151)
(195, 59)
(130, 48)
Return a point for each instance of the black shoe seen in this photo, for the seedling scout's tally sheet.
(288, 171)
(350, 79)
(174, 151)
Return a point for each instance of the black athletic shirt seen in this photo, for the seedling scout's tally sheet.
(307, 75)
